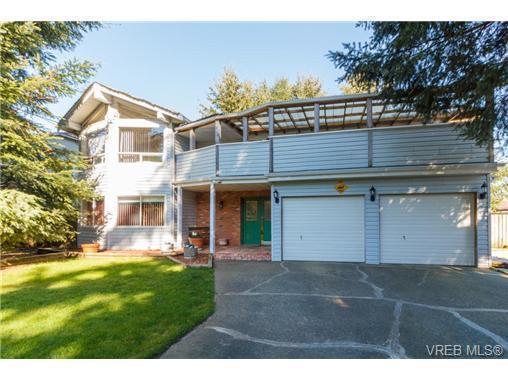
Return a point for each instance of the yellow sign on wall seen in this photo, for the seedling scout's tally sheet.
(341, 187)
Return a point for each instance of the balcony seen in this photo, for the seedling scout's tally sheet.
(397, 146)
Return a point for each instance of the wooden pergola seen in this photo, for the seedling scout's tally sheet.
(313, 115)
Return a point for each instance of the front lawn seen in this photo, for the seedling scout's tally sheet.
(100, 308)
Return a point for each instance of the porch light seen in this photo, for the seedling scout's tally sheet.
(221, 204)
(483, 189)
(276, 196)
(372, 191)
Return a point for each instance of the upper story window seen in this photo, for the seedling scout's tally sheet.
(140, 144)
(94, 147)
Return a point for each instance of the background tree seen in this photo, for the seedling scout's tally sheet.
(39, 189)
(353, 87)
(436, 68)
(229, 94)
(499, 188)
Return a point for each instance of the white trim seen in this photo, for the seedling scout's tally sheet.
(140, 197)
(140, 123)
(179, 217)
(211, 244)
(91, 128)
(430, 170)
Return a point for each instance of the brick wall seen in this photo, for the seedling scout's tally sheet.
(228, 219)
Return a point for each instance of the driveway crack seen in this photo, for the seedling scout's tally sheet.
(285, 271)
(302, 345)
(498, 339)
(393, 342)
(378, 291)
(424, 278)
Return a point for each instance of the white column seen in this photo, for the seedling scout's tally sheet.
(370, 124)
(218, 132)
(110, 161)
(270, 121)
(179, 217)
(245, 128)
(316, 118)
(192, 139)
(212, 219)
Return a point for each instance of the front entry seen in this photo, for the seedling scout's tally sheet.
(256, 221)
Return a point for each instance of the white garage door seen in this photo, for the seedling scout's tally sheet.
(323, 229)
(427, 229)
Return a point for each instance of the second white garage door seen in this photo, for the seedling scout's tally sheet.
(323, 229)
(427, 229)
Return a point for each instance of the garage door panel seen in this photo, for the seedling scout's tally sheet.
(323, 229)
(427, 229)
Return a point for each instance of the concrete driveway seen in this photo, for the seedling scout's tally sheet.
(328, 310)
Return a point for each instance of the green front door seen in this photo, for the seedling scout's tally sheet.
(256, 221)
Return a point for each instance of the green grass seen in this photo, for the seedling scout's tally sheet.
(100, 308)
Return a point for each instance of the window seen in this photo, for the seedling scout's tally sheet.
(92, 213)
(141, 211)
(94, 147)
(251, 210)
(140, 144)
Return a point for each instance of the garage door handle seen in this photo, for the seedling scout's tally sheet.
(404, 237)
(301, 237)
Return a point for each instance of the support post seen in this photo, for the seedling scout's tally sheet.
(179, 218)
(218, 132)
(172, 151)
(370, 124)
(245, 128)
(316, 117)
(212, 219)
(270, 121)
(192, 139)
(111, 158)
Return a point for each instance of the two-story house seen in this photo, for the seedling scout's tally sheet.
(341, 178)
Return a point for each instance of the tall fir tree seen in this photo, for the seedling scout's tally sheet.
(39, 188)
(436, 68)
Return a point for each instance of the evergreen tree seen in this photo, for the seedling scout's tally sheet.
(282, 90)
(437, 68)
(39, 189)
(229, 94)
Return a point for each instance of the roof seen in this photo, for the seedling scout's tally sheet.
(66, 135)
(334, 112)
(94, 95)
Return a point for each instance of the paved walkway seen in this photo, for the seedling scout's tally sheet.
(319, 310)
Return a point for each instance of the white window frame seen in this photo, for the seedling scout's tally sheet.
(141, 155)
(141, 197)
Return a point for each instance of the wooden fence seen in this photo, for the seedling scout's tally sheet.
(499, 229)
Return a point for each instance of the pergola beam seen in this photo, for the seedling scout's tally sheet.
(292, 120)
(306, 119)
